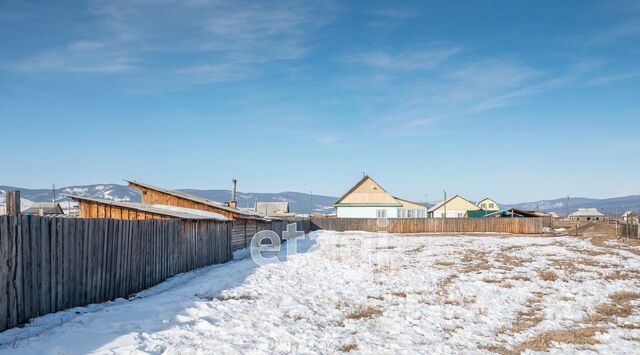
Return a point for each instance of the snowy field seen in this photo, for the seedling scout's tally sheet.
(373, 293)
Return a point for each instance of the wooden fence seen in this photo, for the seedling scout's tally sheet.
(52, 264)
(432, 225)
(628, 230)
(243, 230)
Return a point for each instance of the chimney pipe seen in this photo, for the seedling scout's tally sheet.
(233, 203)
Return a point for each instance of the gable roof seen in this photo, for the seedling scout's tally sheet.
(46, 208)
(586, 212)
(198, 199)
(442, 203)
(485, 199)
(163, 210)
(386, 198)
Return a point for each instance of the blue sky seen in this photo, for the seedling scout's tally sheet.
(518, 100)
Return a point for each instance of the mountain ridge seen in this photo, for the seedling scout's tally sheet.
(301, 202)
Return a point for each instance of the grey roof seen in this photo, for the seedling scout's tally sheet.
(49, 208)
(629, 213)
(168, 211)
(586, 212)
(270, 208)
(200, 199)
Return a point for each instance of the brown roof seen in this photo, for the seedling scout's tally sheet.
(199, 199)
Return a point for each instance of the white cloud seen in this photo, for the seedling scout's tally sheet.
(83, 56)
(413, 60)
(223, 40)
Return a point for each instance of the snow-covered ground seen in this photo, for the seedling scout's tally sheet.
(372, 293)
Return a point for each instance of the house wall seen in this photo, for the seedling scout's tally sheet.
(487, 202)
(450, 213)
(365, 212)
(456, 208)
(369, 212)
(587, 218)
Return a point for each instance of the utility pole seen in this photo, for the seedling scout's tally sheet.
(445, 203)
(53, 188)
(566, 205)
(311, 202)
(12, 199)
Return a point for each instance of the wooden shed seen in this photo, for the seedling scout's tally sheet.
(245, 223)
(101, 208)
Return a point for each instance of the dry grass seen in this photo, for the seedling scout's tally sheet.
(382, 269)
(416, 249)
(444, 263)
(512, 261)
(628, 274)
(347, 347)
(399, 294)
(578, 336)
(529, 318)
(548, 275)
(624, 296)
(379, 298)
(366, 312)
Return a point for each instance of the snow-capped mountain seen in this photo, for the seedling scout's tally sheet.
(298, 202)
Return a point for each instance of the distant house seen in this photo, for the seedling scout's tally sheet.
(44, 209)
(488, 204)
(587, 214)
(454, 207)
(272, 208)
(630, 217)
(367, 199)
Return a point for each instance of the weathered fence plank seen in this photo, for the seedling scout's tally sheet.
(431, 225)
(52, 264)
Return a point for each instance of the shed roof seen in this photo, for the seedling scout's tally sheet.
(200, 199)
(163, 210)
(479, 213)
(49, 208)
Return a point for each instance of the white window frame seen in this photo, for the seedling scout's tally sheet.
(381, 213)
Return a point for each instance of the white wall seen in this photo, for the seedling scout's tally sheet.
(365, 212)
(450, 213)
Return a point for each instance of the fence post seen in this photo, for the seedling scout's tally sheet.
(13, 203)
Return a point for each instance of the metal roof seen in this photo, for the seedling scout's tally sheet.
(163, 210)
(200, 199)
(586, 212)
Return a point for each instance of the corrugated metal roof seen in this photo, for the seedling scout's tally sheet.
(168, 211)
(200, 199)
(586, 212)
